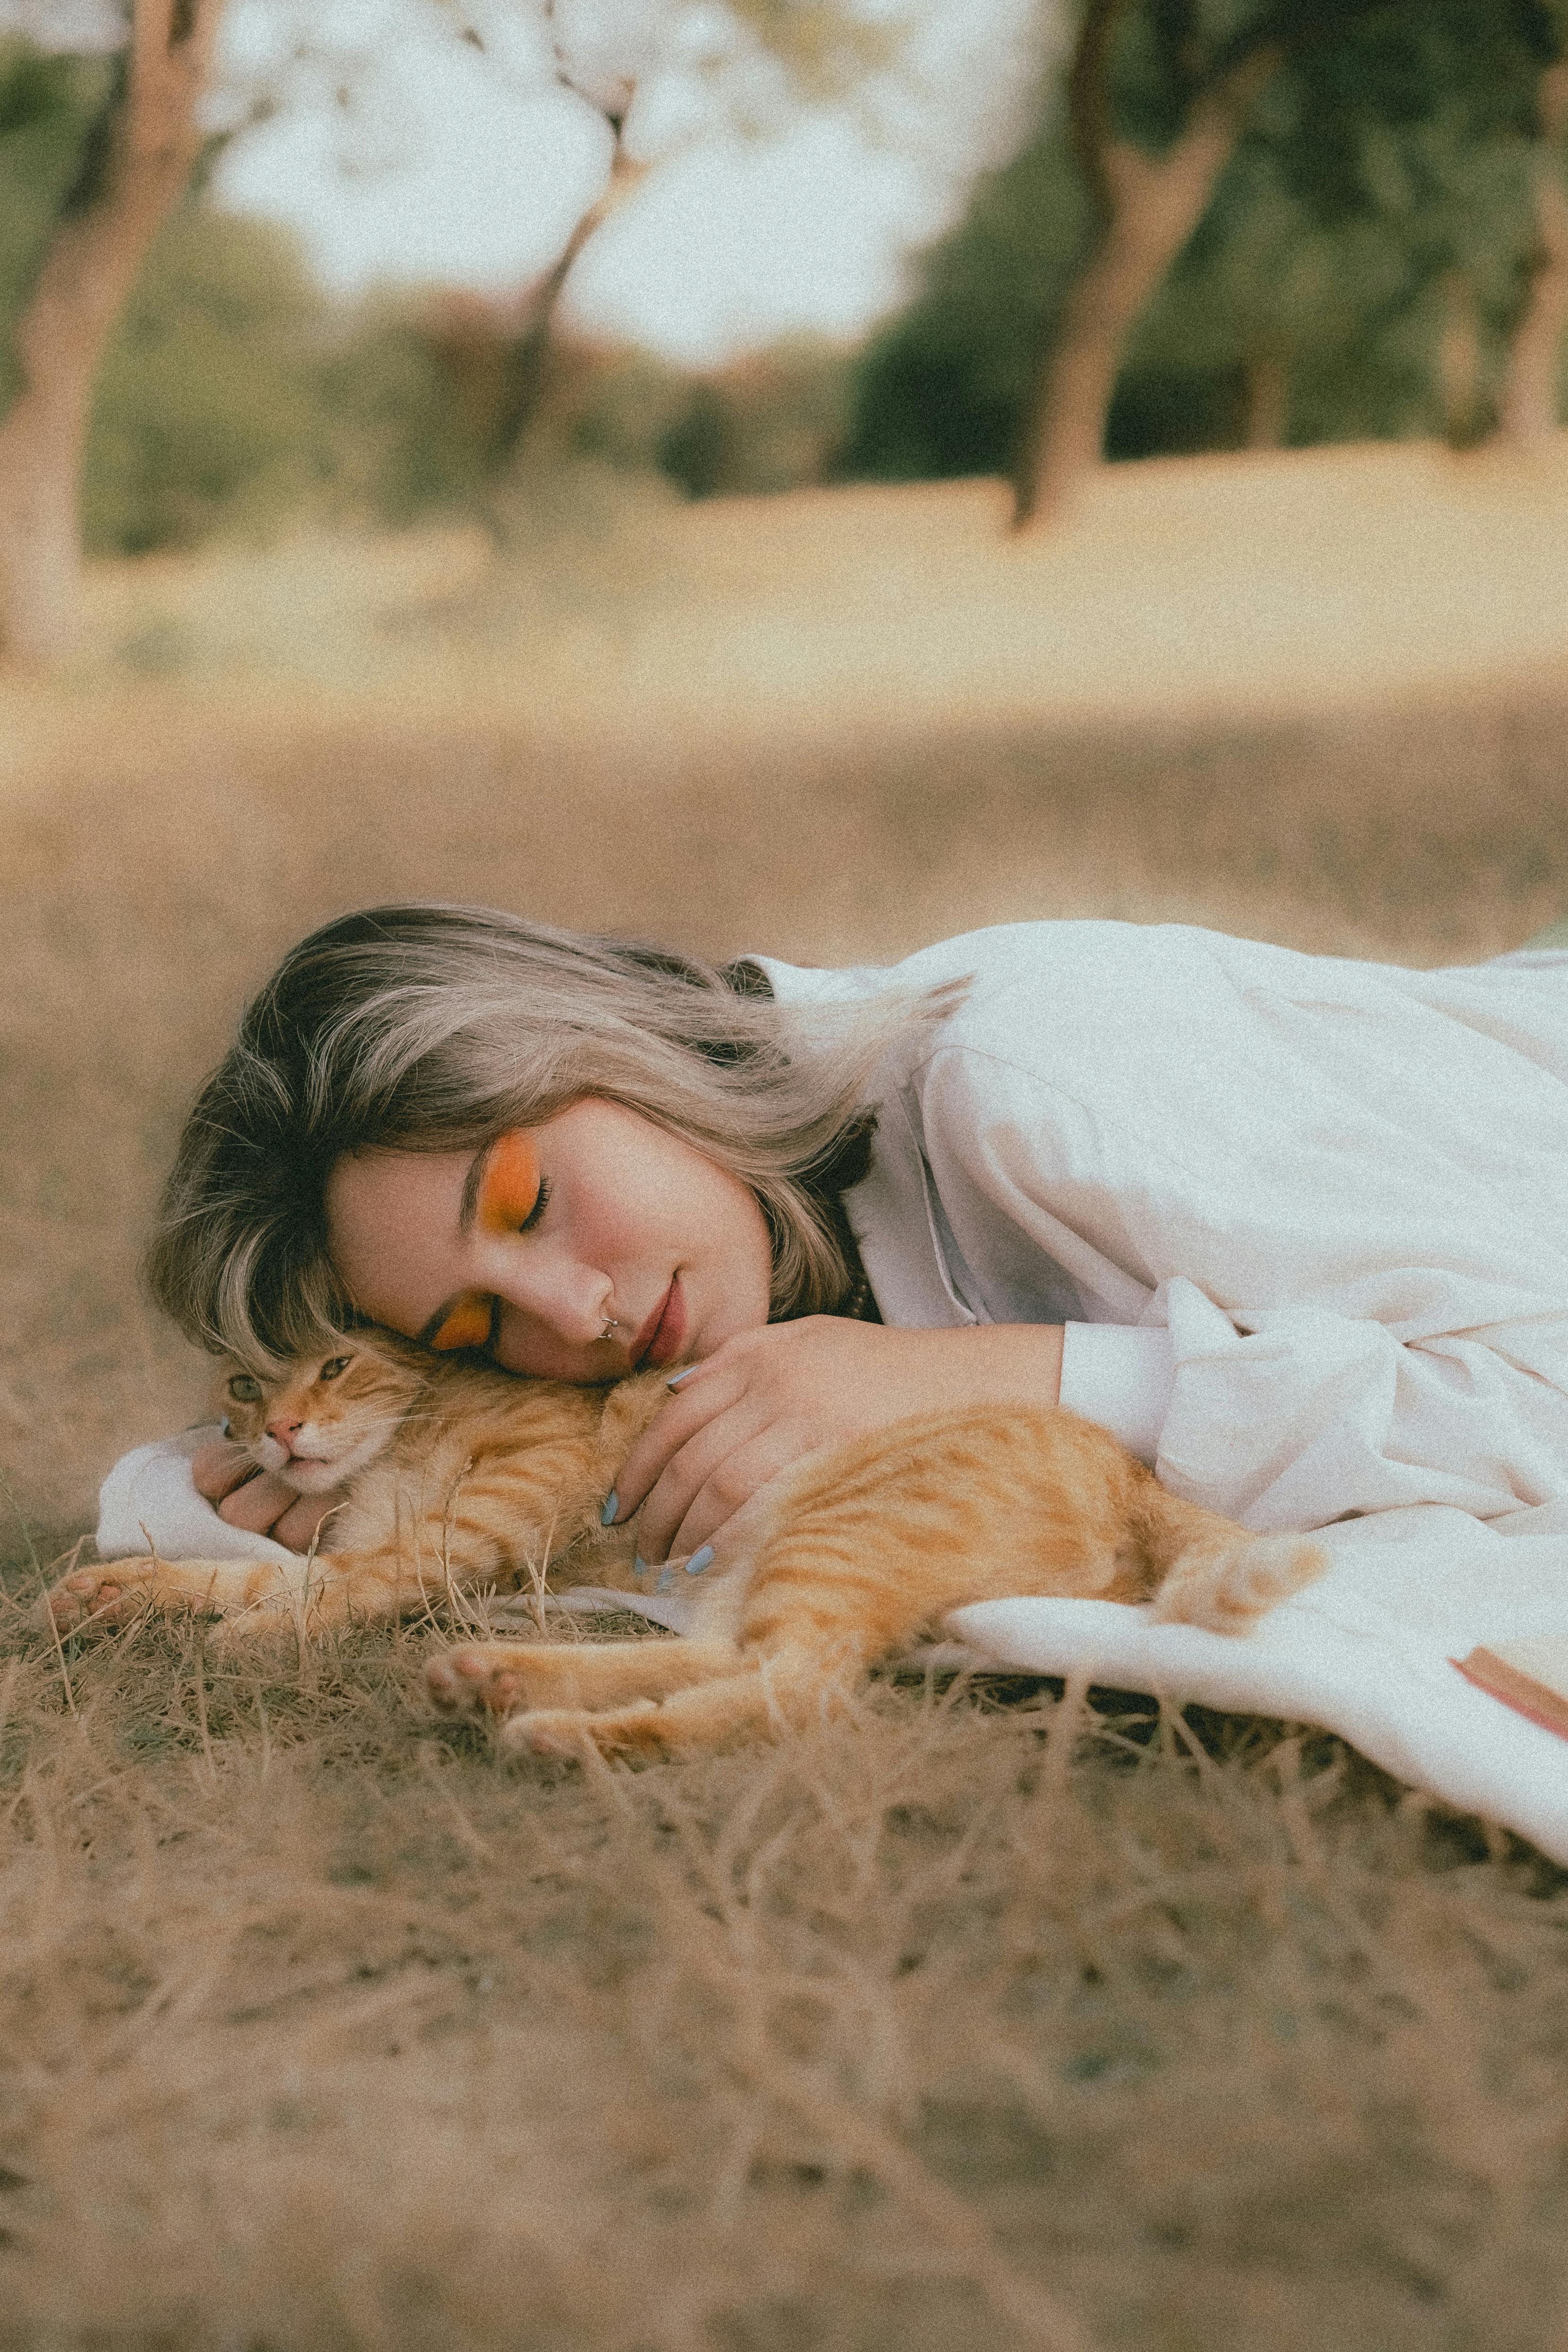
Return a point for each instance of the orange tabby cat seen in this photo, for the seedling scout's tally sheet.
(462, 1475)
(458, 1476)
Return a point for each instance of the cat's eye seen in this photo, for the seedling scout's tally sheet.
(243, 1390)
(333, 1367)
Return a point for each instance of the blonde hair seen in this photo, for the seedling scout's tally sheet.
(425, 1027)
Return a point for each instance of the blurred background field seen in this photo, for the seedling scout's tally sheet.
(567, 458)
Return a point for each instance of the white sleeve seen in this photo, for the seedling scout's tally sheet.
(1121, 1376)
(149, 1500)
(1292, 1416)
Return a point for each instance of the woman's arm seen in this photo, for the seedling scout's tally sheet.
(1292, 1416)
(768, 1397)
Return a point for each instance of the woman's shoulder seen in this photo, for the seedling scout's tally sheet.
(1002, 957)
(1088, 1003)
(1018, 984)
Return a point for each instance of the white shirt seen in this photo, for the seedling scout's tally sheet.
(1303, 1218)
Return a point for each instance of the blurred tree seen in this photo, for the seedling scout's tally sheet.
(208, 404)
(753, 63)
(1367, 253)
(1372, 242)
(131, 171)
(1147, 71)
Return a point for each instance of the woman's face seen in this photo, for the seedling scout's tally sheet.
(531, 1244)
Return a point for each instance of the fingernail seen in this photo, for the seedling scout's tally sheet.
(639, 1565)
(611, 1505)
(699, 1561)
(680, 1377)
(666, 1581)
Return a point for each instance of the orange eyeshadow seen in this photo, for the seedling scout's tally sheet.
(509, 1187)
(467, 1325)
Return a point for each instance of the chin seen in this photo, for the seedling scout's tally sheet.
(310, 1477)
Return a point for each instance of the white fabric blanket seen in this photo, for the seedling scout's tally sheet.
(148, 1502)
(1366, 1652)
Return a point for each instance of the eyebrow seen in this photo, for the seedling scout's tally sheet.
(468, 1209)
(472, 1184)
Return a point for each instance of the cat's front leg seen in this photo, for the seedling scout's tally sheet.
(101, 1599)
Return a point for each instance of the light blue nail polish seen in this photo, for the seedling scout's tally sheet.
(639, 1565)
(699, 1561)
(611, 1505)
(679, 1377)
(666, 1581)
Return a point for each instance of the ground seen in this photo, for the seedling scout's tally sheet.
(990, 2017)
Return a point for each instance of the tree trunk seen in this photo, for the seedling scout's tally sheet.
(530, 355)
(1466, 420)
(1152, 204)
(1527, 410)
(1268, 402)
(89, 271)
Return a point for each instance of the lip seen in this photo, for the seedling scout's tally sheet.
(660, 1340)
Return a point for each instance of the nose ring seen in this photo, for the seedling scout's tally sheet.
(613, 1324)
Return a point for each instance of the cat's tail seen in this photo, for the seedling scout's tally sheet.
(1213, 1573)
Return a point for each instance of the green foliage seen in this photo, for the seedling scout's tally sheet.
(763, 424)
(940, 390)
(235, 396)
(209, 408)
(1388, 157)
(825, 47)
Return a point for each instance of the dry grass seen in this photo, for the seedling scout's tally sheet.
(986, 2019)
(959, 2027)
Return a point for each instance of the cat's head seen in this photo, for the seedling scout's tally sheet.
(315, 1421)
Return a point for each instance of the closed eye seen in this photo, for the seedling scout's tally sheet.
(537, 1211)
(510, 1191)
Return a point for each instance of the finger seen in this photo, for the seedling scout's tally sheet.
(258, 1505)
(306, 1516)
(216, 1470)
(738, 1477)
(688, 1411)
(687, 1472)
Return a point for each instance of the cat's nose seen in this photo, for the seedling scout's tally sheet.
(284, 1431)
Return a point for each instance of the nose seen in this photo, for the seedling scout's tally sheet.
(572, 1300)
(284, 1430)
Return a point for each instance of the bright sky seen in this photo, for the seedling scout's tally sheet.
(402, 154)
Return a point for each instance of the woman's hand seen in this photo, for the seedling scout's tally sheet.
(768, 1397)
(249, 1497)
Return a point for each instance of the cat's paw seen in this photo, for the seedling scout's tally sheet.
(633, 1731)
(485, 1678)
(94, 1599)
(1230, 1590)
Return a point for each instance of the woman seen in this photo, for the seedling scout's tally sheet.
(1290, 1227)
